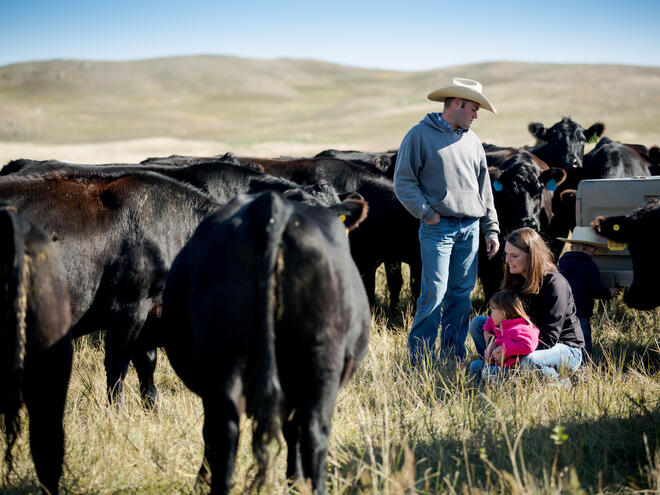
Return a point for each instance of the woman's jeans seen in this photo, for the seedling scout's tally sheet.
(548, 361)
(449, 272)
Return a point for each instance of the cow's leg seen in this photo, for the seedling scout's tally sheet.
(315, 433)
(121, 338)
(46, 379)
(291, 432)
(144, 361)
(116, 362)
(394, 283)
(369, 280)
(221, 431)
(145, 358)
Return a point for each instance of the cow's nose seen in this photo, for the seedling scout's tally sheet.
(530, 222)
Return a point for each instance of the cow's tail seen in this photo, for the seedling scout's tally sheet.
(269, 216)
(15, 268)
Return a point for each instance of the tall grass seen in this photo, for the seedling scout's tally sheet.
(396, 429)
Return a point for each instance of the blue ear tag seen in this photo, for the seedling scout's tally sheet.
(497, 185)
(551, 185)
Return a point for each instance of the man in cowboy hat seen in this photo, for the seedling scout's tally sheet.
(583, 275)
(441, 178)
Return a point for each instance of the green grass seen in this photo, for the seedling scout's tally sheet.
(397, 429)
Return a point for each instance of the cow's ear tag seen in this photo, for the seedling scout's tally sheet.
(616, 227)
(593, 139)
(497, 185)
(551, 185)
(342, 218)
(616, 246)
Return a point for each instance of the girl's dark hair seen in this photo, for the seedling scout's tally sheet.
(508, 301)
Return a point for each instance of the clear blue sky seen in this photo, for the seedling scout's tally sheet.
(402, 35)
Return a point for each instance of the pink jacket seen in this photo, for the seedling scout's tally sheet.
(517, 338)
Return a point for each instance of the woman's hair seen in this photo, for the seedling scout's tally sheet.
(539, 263)
(508, 301)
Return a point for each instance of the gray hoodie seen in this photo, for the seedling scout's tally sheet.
(440, 170)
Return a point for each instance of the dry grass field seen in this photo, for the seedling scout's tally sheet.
(396, 430)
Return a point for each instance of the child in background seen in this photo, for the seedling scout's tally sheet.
(583, 275)
(509, 334)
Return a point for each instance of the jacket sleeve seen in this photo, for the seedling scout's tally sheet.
(594, 286)
(488, 223)
(406, 177)
(520, 341)
(489, 326)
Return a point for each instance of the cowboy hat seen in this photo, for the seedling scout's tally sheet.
(466, 89)
(586, 235)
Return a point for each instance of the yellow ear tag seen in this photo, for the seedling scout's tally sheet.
(616, 227)
(343, 218)
(616, 246)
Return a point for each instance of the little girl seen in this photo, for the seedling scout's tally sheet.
(508, 332)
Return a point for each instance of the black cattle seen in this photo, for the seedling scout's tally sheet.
(118, 235)
(381, 162)
(641, 231)
(266, 314)
(611, 159)
(523, 187)
(220, 179)
(35, 343)
(562, 145)
(388, 235)
(654, 157)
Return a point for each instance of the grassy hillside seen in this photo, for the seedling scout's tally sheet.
(285, 106)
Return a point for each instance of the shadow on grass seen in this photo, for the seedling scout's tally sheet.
(607, 455)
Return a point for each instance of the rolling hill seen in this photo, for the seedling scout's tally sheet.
(122, 111)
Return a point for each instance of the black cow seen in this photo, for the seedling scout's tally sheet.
(562, 145)
(35, 343)
(381, 162)
(220, 179)
(118, 236)
(654, 157)
(522, 193)
(641, 231)
(611, 159)
(266, 313)
(388, 235)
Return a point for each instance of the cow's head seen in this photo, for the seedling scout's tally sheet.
(518, 185)
(321, 194)
(641, 231)
(562, 145)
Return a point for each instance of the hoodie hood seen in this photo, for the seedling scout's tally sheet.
(434, 121)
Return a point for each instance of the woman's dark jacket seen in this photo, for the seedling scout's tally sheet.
(552, 310)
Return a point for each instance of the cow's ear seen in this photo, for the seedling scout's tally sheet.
(617, 228)
(351, 211)
(537, 130)
(594, 132)
(552, 177)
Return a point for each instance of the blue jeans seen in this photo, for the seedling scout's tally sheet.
(449, 272)
(548, 361)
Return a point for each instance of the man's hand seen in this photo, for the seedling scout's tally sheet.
(433, 220)
(492, 246)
